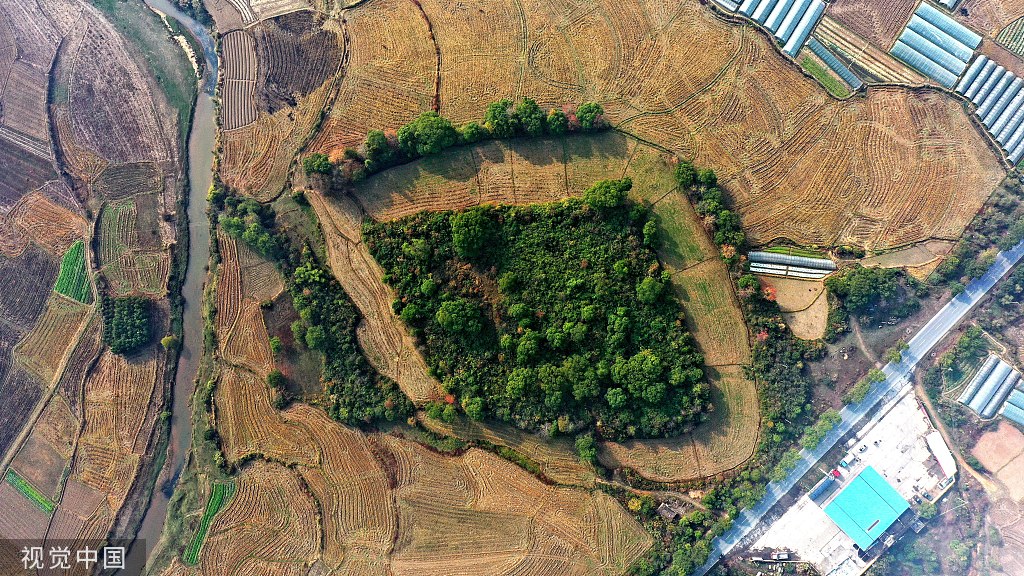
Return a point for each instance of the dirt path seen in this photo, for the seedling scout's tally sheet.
(387, 344)
(861, 344)
(987, 484)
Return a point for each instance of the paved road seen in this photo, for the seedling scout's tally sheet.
(897, 378)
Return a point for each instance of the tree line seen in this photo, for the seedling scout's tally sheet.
(430, 134)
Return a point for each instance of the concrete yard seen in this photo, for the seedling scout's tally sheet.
(895, 445)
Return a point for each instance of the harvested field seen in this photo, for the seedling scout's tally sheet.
(283, 42)
(48, 224)
(868, 61)
(81, 161)
(722, 443)
(248, 344)
(19, 518)
(19, 394)
(556, 457)
(261, 280)
(119, 415)
(25, 285)
(811, 322)
(242, 333)
(990, 17)
(1002, 453)
(385, 341)
(238, 107)
(20, 173)
(58, 427)
(229, 14)
(87, 349)
(255, 159)
(712, 313)
(879, 22)
(249, 425)
(389, 506)
(390, 77)
(104, 83)
(269, 527)
(769, 131)
(124, 180)
(40, 465)
(793, 295)
(131, 254)
(42, 351)
(265, 9)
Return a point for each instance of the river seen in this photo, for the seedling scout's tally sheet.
(200, 167)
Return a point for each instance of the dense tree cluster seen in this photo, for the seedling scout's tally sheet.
(713, 206)
(431, 133)
(999, 226)
(550, 316)
(126, 323)
(249, 221)
(354, 392)
(872, 292)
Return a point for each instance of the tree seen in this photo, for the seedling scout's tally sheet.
(530, 118)
(317, 164)
(427, 135)
(377, 151)
(590, 115)
(473, 132)
(499, 121)
(474, 408)
(460, 316)
(557, 122)
(470, 232)
(586, 448)
(608, 194)
(275, 379)
(316, 337)
(685, 174)
(642, 375)
(649, 290)
(276, 345)
(169, 342)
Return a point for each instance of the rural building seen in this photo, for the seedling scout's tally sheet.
(989, 388)
(998, 96)
(866, 508)
(773, 263)
(790, 21)
(936, 45)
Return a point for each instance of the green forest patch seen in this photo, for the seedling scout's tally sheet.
(73, 280)
(548, 315)
(29, 491)
(219, 496)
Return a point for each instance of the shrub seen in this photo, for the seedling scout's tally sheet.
(317, 164)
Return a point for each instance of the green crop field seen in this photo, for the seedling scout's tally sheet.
(221, 493)
(29, 491)
(834, 86)
(73, 281)
(791, 251)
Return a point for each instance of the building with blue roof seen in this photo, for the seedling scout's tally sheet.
(866, 508)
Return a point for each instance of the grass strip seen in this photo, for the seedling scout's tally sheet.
(219, 496)
(834, 86)
(31, 492)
